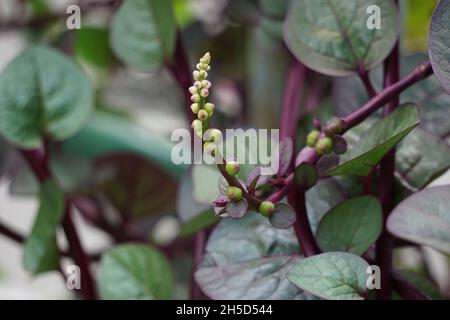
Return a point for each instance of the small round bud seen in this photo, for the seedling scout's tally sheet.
(209, 107)
(200, 66)
(195, 98)
(196, 74)
(197, 84)
(340, 145)
(204, 93)
(202, 115)
(266, 208)
(193, 90)
(208, 68)
(210, 148)
(202, 74)
(232, 168)
(195, 108)
(197, 126)
(324, 145)
(206, 84)
(333, 126)
(215, 135)
(234, 193)
(312, 138)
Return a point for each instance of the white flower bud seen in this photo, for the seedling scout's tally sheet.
(203, 74)
(193, 90)
(202, 115)
(204, 93)
(194, 108)
(209, 107)
(197, 84)
(195, 98)
(196, 74)
(206, 84)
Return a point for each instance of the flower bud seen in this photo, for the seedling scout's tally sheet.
(324, 145)
(209, 107)
(193, 90)
(196, 74)
(312, 138)
(195, 108)
(333, 126)
(204, 93)
(215, 135)
(195, 98)
(234, 193)
(197, 126)
(197, 84)
(232, 168)
(266, 208)
(210, 148)
(202, 115)
(202, 75)
(200, 66)
(206, 84)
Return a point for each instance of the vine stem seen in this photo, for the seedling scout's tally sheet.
(199, 245)
(386, 189)
(37, 160)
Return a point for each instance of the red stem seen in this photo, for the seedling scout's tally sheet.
(386, 188)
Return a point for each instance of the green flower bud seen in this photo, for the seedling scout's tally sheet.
(209, 107)
(202, 75)
(195, 108)
(195, 98)
(206, 84)
(324, 145)
(312, 138)
(266, 208)
(232, 168)
(234, 193)
(215, 135)
(204, 93)
(193, 90)
(196, 74)
(333, 126)
(210, 148)
(202, 115)
(197, 126)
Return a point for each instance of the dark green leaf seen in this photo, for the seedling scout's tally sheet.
(331, 36)
(352, 226)
(332, 275)
(424, 218)
(106, 133)
(134, 271)
(42, 93)
(306, 175)
(92, 46)
(143, 33)
(249, 259)
(378, 140)
(440, 42)
(201, 221)
(419, 281)
(41, 251)
(283, 216)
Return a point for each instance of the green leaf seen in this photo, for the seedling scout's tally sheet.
(332, 275)
(332, 37)
(43, 93)
(249, 259)
(133, 185)
(41, 251)
(92, 46)
(378, 140)
(106, 133)
(306, 175)
(420, 159)
(352, 226)
(321, 198)
(424, 218)
(143, 33)
(440, 42)
(199, 222)
(134, 271)
(421, 282)
(283, 216)
(417, 16)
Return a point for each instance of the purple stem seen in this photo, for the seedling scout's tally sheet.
(384, 245)
(199, 245)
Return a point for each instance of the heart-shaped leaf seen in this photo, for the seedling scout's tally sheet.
(43, 93)
(306, 175)
(134, 186)
(283, 216)
(333, 37)
(352, 226)
(249, 259)
(439, 42)
(378, 140)
(143, 32)
(424, 218)
(134, 271)
(41, 251)
(92, 46)
(332, 275)
(237, 210)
